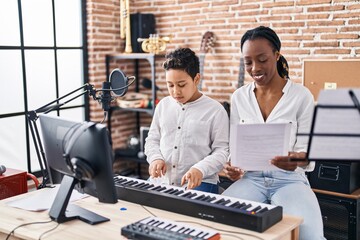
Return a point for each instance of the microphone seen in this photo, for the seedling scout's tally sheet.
(2, 169)
(105, 97)
(118, 84)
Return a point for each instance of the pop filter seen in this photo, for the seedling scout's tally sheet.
(119, 82)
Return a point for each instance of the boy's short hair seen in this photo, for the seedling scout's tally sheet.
(182, 59)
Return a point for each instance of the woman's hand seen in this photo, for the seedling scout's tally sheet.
(233, 173)
(157, 168)
(285, 163)
(193, 177)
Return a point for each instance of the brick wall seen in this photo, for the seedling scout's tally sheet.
(307, 28)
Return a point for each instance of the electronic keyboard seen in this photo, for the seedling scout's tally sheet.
(232, 211)
(163, 229)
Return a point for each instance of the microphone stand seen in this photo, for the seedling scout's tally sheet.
(104, 98)
(32, 116)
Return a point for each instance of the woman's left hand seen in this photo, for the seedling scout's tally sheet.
(285, 163)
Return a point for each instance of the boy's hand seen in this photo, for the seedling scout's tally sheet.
(157, 168)
(193, 177)
(233, 173)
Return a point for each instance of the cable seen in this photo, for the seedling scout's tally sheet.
(105, 116)
(22, 225)
(148, 210)
(115, 89)
(51, 229)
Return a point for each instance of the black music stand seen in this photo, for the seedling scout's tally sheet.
(339, 140)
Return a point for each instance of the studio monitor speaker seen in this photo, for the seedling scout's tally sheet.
(142, 25)
(340, 216)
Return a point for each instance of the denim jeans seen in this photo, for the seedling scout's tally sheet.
(208, 187)
(291, 190)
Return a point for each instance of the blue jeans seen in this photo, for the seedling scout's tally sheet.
(208, 187)
(291, 190)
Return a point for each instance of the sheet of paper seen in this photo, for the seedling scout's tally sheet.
(336, 120)
(252, 146)
(42, 200)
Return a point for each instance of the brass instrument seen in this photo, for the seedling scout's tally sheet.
(154, 44)
(125, 30)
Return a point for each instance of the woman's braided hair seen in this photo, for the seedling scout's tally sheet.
(272, 37)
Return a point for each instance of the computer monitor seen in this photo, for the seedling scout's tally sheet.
(82, 153)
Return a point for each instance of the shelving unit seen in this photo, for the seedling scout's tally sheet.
(135, 57)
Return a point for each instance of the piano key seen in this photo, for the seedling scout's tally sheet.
(129, 189)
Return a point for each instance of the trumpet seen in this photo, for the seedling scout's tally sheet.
(154, 44)
(125, 30)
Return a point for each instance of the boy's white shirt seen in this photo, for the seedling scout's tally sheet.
(194, 134)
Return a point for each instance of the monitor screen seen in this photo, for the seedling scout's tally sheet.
(81, 152)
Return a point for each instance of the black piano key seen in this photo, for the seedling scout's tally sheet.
(256, 209)
(262, 210)
(211, 199)
(179, 192)
(226, 201)
(245, 207)
(120, 180)
(186, 194)
(219, 201)
(200, 197)
(131, 182)
(169, 190)
(147, 186)
(192, 195)
(156, 188)
(180, 229)
(139, 185)
(235, 204)
(199, 234)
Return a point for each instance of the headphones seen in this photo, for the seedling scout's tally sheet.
(2, 169)
(81, 168)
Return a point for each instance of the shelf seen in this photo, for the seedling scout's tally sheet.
(121, 153)
(149, 111)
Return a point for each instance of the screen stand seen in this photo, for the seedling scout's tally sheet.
(62, 212)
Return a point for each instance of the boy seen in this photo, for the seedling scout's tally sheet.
(188, 140)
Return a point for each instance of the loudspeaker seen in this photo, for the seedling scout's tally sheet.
(340, 216)
(142, 25)
(13, 182)
(342, 177)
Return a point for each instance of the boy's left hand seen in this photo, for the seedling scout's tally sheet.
(193, 177)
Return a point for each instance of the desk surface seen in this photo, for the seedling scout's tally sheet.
(12, 217)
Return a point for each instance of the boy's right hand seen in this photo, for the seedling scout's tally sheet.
(233, 173)
(157, 168)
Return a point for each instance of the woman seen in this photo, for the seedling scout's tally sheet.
(273, 98)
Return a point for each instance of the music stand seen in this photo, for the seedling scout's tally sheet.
(335, 128)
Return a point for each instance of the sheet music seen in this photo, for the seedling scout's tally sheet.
(252, 146)
(336, 120)
(42, 200)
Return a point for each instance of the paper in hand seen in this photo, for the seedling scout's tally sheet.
(252, 146)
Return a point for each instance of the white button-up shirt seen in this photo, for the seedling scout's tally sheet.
(194, 134)
(296, 106)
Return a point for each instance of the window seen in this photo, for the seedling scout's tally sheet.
(43, 56)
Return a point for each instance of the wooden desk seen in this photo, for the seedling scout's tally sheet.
(11, 217)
